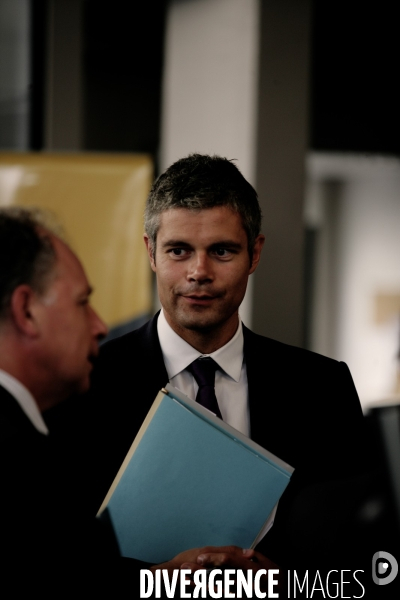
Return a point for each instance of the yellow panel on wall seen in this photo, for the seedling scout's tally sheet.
(100, 200)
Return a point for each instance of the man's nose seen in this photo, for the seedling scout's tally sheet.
(99, 328)
(200, 268)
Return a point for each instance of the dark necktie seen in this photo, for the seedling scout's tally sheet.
(203, 370)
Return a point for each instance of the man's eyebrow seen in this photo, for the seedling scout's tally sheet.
(221, 244)
(227, 244)
(170, 243)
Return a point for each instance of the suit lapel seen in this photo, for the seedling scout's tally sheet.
(152, 352)
(264, 403)
(255, 382)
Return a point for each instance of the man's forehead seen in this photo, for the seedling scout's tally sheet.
(67, 262)
(179, 218)
(62, 251)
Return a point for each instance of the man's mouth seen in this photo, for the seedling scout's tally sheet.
(199, 298)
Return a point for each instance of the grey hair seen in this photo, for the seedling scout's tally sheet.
(198, 182)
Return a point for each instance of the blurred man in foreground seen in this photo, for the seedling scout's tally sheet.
(49, 337)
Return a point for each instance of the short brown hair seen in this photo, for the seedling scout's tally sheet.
(198, 182)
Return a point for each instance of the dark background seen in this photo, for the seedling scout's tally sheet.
(354, 82)
(354, 95)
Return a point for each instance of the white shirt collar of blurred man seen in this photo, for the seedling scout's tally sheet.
(25, 399)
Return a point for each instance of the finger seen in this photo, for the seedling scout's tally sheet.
(191, 566)
(249, 553)
(215, 559)
(224, 559)
(221, 549)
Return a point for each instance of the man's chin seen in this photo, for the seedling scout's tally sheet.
(199, 320)
(82, 386)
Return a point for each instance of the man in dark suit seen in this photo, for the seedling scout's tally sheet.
(203, 238)
(49, 337)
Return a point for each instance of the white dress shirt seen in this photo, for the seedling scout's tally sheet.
(230, 378)
(25, 399)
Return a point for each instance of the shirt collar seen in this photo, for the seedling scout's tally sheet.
(25, 399)
(178, 354)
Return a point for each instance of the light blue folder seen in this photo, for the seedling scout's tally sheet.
(191, 480)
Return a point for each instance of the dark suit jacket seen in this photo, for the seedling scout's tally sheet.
(303, 407)
(50, 542)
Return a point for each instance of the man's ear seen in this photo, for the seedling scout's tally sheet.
(258, 245)
(22, 315)
(150, 251)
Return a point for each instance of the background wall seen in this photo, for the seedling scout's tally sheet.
(353, 207)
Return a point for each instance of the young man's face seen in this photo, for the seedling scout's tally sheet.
(202, 266)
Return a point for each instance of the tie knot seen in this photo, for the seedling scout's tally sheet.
(203, 370)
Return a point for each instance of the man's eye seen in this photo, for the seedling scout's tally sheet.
(178, 252)
(222, 252)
